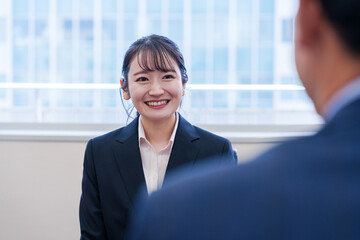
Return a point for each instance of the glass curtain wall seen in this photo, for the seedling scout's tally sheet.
(66, 58)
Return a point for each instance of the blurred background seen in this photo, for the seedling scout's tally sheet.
(61, 60)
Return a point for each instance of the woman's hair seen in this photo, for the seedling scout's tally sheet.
(153, 52)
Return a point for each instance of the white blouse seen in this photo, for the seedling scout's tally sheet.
(154, 163)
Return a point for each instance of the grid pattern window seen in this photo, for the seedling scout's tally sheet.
(66, 55)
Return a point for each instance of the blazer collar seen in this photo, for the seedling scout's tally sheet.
(128, 158)
(346, 118)
(128, 131)
(127, 154)
(185, 129)
(184, 150)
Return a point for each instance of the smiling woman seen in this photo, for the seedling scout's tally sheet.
(154, 90)
(157, 141)
(154, 79)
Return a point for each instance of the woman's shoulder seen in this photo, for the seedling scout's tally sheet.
(120, 134)
(199, 132)
(205, 133)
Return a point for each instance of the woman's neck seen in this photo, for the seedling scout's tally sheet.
(158, 133)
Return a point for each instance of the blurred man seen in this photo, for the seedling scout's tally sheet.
(303, 189)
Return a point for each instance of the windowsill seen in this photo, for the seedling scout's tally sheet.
(84, 132)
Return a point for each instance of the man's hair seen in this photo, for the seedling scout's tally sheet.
(344, 15)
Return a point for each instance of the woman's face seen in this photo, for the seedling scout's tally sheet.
(156, 95)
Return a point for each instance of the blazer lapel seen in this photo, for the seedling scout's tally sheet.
(184, 150)
(128, 159)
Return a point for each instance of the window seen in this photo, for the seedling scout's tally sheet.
(20, 29)
(154, 7)
(198, 28)
(131, 7)
(86, 7)
(287, 30)
(176, 32)
(109, 7)
(109, 30)
(67, 69)
(41, 59)
(2, 30)
(86, 31)
(2, 91)
(20, 8)
(266, 6)
(176, 6)
(41, 8)
(64, 7)
(199, 6)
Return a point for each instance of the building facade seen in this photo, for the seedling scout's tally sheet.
(237, 42)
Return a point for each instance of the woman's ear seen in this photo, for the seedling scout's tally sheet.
(125, 91)
(183, 90)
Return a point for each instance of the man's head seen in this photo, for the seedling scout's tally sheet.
(327, 46)
(344, 15)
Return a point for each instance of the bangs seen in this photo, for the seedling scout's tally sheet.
(151, 58)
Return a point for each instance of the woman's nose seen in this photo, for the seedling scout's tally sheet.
(156, 88)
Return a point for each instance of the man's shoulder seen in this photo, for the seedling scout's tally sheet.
(261, 174)
(260, 188)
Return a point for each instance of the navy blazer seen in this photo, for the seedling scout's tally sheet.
(304, 189)
(113, 173)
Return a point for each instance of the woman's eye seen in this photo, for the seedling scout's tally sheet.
(141, 79)
(168, 77)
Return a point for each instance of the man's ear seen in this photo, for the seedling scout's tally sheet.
(125, 91)
(309, 20)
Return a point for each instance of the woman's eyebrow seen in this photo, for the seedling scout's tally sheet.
(145, 72)
(141, 72)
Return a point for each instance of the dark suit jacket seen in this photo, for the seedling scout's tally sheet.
(113, 173)
(304, 189)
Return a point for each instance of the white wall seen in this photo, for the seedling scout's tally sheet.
(40, 187)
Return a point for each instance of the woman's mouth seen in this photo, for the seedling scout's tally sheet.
(157, 103)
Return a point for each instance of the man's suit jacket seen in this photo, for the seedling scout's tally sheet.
(113, 173)
(304, 189)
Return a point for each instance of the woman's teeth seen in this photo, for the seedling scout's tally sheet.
(157, 103)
